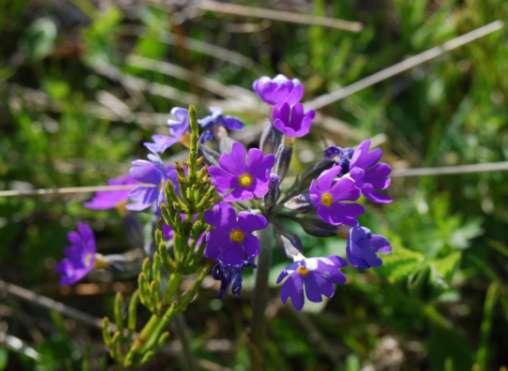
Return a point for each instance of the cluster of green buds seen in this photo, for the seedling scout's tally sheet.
(160, 280)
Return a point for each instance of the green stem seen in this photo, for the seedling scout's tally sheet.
(155, 327)
(260, 300)
(182, 332)
(193, 148)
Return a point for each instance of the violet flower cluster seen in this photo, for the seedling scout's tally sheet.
(256, 191)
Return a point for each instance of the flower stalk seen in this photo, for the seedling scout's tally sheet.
(260, 296)
(187, 197)
(219, 215)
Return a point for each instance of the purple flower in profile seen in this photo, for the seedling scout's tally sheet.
(79, 255)
(291, 120)
(318, 276)
(329, 195)
(278, 90)
(340, 156)
(104, 200)
(152, 174)
(231, 241)
(177, 128)
(369, 174)
(217, 118)
(230, 276)
(363, 246)
(242, 175)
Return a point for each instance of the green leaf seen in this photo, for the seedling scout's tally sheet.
(39, 39)
(4, 358)
(462, 237)
(445, 267)
(100, 36)
(400, 263)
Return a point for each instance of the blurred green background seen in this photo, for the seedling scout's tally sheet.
(83, 83)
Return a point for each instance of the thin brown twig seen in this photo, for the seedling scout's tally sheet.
(198, 46)
(49, 303)
(453, 170)
(141, 85)
(67, 190)
(17, 345)
(279, 15)
(399, 173)
(406, 64)
(173, 70)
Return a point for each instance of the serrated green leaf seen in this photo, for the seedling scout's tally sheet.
(444, 267)
(400, 263)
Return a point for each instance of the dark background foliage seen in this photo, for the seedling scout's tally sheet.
(83, 83)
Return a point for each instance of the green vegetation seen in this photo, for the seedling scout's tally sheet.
(82, 87)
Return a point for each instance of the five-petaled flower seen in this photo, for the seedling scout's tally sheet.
(231, 240)
(104, 200)
(79, 255)
(369, 174)
(291, 120)
(278, 90)
(242, 174)
(331, 197)
(217, 118)
(362, 247)
(318, 276)
(152, 174)
(177, 129)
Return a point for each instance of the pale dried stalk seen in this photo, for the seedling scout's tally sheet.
(279, 15)
(406, 64)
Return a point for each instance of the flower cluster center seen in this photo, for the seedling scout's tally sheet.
(245, 180)
(302, 271)
(327, 199)
(237, 235)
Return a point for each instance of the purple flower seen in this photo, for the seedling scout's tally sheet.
(167, 232)
(340, 156)
(278, 90)
(104, 200)
(363, 245)
(317, 275)
(328, 194)
(152, 174)
(177, 128)
(369, 174)
(230, 277)
(291, 120)
(230, 241)
(79, 255)
(217, 118)
(242, 175)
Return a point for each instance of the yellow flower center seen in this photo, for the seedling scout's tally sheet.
(327, 199)
(237, 235)
(88, 259)
(302, 271)
(245, 180)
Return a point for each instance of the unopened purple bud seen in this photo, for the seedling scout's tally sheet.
(292, 120)
(278, 89)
